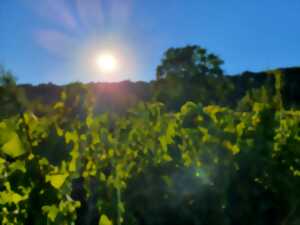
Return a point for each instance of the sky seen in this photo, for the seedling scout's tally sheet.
(58, 41)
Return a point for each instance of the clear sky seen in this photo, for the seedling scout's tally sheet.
(58, 40)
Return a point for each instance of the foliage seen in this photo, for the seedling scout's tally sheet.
(188, 62)
(12, 98)
(172, 91)
(213, 164)
(191, 74)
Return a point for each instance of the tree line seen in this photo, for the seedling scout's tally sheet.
(189, 73)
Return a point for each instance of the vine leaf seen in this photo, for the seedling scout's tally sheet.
(104, 220)
(13, 147)
(18, 165)
(56, 180)
(51, 210)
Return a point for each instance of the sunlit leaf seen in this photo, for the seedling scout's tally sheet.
(18, 165)
(104, 220)
(13, 147)
(51, 210)
(56, 180)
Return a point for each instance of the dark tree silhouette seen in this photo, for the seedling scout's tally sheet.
(188, 62)
(190, 73)
(12, 99)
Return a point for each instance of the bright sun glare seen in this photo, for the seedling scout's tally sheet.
(107, 63)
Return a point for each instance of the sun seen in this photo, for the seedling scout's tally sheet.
(107, 62)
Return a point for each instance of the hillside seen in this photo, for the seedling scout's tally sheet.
(120, 96)
(115, 97)
(291, 81)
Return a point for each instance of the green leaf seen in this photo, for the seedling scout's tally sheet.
(104, 220)
(59, 131)
(240, 129)
(56, 180)
(102, 177)
(233, 148)
(18, 165)
(71, 136)
(187, 160)
(16, 198)
(2, 165)
(7, 197)
(89, 121)
(166, 157)
(51, 210)
(58, 105)
(13, 147)
(297, 173)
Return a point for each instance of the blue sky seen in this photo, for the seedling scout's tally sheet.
(56, 40)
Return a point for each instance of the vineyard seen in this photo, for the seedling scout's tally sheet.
(214, 164)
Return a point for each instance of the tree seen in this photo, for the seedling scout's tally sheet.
(12, 99)
(190, 73)
(188, 62)
(6, 78)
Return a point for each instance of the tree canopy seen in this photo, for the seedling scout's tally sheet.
(188, 62)
(190, 73)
